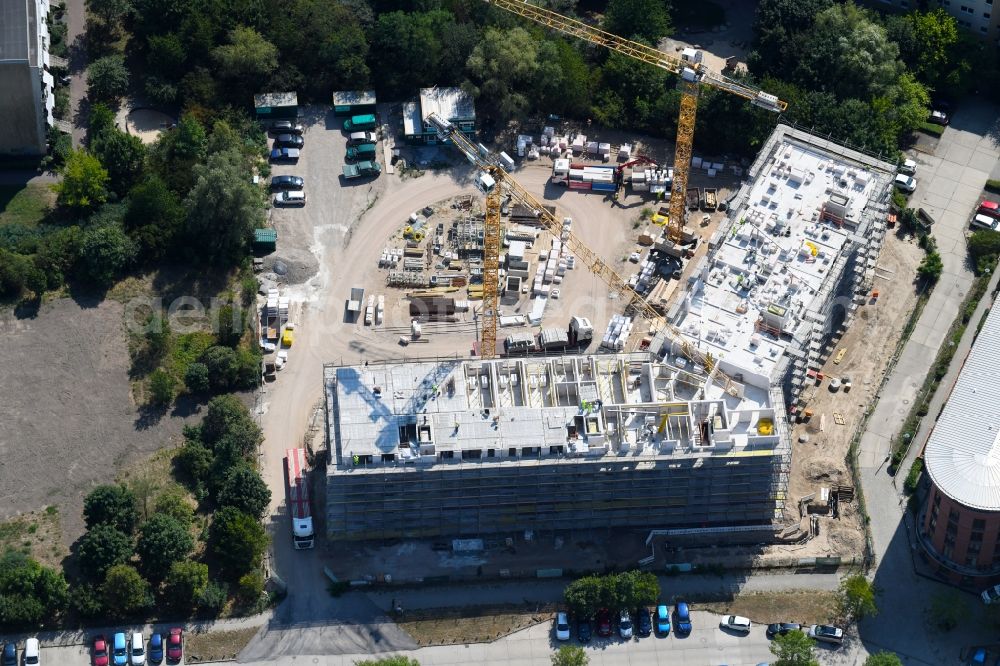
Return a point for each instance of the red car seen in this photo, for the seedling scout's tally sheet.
(991, 208)
(100, 651)
(604, 622)
(175, 645)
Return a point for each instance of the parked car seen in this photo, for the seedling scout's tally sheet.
(287, 183)
(643, 622)
(682, 618)
(938, 118)
(662, 620)
(562, 627)
(908, 166)
(175, 646)
(137, 650)
(358, 138)
(781, 628)
(905, 183)
(826, 633)
(98, 651)
(625, 624)
(583, 631)
(290, 198)
(285, 155)
(286, 127)
(289, 141)
(119, 650)
(991, 208)
(155, 648)
(736, 623)
(9, 654)
(604, 622)
(31, 652)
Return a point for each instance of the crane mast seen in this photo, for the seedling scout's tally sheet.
(492, 178)
(692, 75)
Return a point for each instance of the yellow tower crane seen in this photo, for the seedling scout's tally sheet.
(491, 180)
(689, 68)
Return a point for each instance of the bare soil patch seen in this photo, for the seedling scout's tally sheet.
(812, 607)
(69, 420)
(452, 626)
(215, 646)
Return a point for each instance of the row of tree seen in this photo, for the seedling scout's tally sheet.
(630, 589)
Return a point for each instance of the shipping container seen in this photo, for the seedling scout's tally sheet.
(578, 185)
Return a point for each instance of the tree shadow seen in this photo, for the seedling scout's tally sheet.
(28, 308)
(149, 416)
(188, 405)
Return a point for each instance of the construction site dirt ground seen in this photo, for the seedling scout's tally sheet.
(869, 342)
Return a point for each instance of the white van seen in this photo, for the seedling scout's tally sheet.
(985, 222)
(290, 198)
(31, 652)
(137, 650)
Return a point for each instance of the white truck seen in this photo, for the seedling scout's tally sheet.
(581, 331)
(354, 302)
(299, 507)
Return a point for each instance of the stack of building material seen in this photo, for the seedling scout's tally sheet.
(390, 257)
(567, 229)
(617, 334)
(379, 310)
(283, 309)
(579, 143)
(647, 273)
(537, 310)
(625, 152)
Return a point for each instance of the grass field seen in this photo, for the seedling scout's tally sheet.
(810, 607)
(25, 205)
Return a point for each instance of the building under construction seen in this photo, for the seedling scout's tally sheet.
(464, 447)
(473, 447)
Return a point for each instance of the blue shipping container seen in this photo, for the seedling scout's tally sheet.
(603, 187)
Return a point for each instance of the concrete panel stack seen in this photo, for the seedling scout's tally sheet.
(617, 334)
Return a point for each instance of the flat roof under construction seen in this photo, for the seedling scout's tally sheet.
(447, 411)
(774, 265)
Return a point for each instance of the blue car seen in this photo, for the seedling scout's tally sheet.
(154, 650)
(663, 620)
(682, 621)
(119, 650)
(9, 654)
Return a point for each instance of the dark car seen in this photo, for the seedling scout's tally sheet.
(175, 646)
(285, 155)
(10, 654)
(781, 628)
(286, 127)
(682, 618)
(643, 622)
(288, 141)
(583, 631)
(287, 183)
(604, 622)
(938, 118)
(154, 649)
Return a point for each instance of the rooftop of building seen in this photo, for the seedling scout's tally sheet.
(18, 31)
(621, 405)
(962, 455)
(275, 99)
(353, 97)
(775, 260)
(448, 103)
(412, 122)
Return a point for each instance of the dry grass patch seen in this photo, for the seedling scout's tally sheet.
(455, 626)
(37, 533)
(767, 607)
(214, 646)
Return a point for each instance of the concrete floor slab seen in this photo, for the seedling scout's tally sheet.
(959, 153)
(939, 186)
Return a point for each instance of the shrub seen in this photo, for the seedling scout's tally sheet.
(913, 477)
(161, 387)
(125, 591)
(993, 185)
(196, 378)
(931, 128)
(213, 597)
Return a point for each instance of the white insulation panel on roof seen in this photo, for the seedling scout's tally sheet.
(963, 452)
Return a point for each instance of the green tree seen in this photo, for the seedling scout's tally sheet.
(213, 598)
(223, 208)
(647, 19)
(107, 78)
(174, 502)
(794, 649)
(251, 586)
(86, 600)
(930, 49)
(222, 367)
(948, 609)
(30, 594)
(637, 588)
(931, 267)
(153, 217)
(185, 583)
(418, 49)
(161, 387)
(166, 55)
(101, 121)
(984, 243)
(14, 271)
(570, 655)
(144, 485)
(883, 659)
(856, 597)
(634, 95)
(123, 155)
(125, 591)
(110, 12)
(84, 182)
(585, 595)
(102, 547)
(175, 153)
(196, 462)
(248, 57)
(237, 540)
(113, 505)
(231, 325)
(196, 378)
(229, 430)
(245, 490)
(163, 540)
(105, 253)
(501, 68)
(781, 30)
